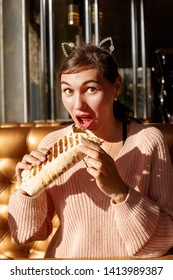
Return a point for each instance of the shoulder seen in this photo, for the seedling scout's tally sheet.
(145, 129)
(52, 137)
(147, 135)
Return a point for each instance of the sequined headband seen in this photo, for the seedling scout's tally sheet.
(106, 43)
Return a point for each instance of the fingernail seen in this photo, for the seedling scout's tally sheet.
(80, 147)
(43, 158)
(83, 137)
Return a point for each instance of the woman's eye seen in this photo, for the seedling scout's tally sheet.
(91, 90)
(68, 91)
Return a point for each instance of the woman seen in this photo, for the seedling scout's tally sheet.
(117, 201)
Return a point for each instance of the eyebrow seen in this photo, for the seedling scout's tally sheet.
(84, 83)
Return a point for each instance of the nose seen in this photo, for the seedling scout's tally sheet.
(79, 102)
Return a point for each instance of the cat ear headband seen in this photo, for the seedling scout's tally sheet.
(106, 44)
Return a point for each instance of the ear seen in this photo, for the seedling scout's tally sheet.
(118, 85)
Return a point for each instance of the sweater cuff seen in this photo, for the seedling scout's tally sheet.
(34, 201)
(136, 219)
(26, 214)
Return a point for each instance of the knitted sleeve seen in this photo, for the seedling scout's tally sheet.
(145, 218)
(29, 218)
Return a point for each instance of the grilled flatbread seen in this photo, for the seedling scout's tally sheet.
(63, 155)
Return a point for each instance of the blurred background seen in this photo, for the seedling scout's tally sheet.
(31, 34)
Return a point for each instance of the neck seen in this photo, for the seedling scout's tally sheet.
(111, 132)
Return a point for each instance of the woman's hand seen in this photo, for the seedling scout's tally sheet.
(102, 167)
(36, 157)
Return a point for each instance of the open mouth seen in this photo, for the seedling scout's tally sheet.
(84, 120)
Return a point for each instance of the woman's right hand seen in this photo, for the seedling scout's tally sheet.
(36, 157)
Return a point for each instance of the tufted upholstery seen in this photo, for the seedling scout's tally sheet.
(15, 141)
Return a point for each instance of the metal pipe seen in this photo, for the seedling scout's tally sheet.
(43, 57)
(96, 22)
(87, 21)
(143, 59)
(51, 60)
(26, 102)
(2, 90)
(134, 55)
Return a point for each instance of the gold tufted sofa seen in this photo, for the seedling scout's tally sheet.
(17, 139)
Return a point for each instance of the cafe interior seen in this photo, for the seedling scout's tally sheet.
(31, 37)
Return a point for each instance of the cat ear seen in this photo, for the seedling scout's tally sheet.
(107, 44)
(68, 48)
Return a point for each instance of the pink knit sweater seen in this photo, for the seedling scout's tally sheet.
(91, 225)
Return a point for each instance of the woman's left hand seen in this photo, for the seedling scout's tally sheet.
(102, 167)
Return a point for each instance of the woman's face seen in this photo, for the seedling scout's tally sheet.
(88, 97)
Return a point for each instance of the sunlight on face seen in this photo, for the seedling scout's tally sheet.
(88, 97)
